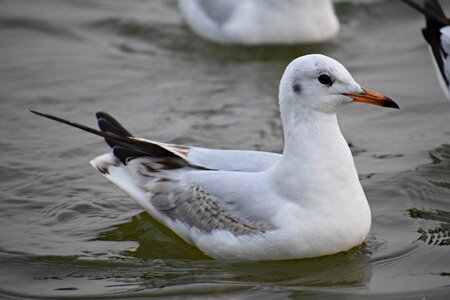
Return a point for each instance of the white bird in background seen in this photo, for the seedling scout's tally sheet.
(235, 204)
(253, 22)
(437, 35)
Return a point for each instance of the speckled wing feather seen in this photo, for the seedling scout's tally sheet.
(187, 202)
(195, 207)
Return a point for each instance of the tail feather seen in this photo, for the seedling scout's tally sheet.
(125, 146)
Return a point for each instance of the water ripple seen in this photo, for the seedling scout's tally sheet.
(39, 26)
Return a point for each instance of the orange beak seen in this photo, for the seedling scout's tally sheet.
(372, 97)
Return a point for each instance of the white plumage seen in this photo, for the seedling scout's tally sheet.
(252, 22)
(253, 205)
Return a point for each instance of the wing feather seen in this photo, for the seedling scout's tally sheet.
(195, 207)
(435, 21)
(153, 175)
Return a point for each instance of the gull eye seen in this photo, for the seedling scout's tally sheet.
(325, 79)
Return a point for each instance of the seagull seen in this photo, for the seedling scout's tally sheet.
(255, 22)
(254, 205)
(437, 35)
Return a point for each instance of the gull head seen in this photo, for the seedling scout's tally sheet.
(317, 83)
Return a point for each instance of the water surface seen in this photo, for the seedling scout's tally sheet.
(66, 232)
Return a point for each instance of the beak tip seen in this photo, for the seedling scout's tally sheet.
(388, 102)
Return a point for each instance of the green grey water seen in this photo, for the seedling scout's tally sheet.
(65, 232)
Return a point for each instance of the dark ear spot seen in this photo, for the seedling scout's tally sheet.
(297, 88)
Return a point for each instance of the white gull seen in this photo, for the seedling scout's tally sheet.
(437, 35)
(254, 205)
(252, 22)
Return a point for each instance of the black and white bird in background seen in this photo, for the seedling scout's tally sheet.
(437, 35)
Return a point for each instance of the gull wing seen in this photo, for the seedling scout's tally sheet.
(154, 175)
(202, 158)
(437, 35)
(175, 201)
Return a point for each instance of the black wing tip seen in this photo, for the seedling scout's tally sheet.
(432, 10)
(125, 154)
(37, 113)
(102, 114)
(49, 116)
(125, 147)
(106, 122)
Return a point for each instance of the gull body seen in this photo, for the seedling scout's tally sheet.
(253, 205)
(252, 22)
(437, 35)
